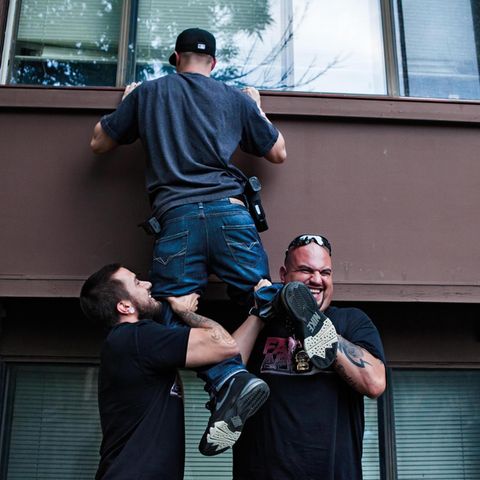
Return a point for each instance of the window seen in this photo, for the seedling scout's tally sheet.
(66, 42)
(429, 48)
(219, 467)
(438, 44)
(371, 458)
(278, 45)
(53, 430)
(437, 424)
(300, 45)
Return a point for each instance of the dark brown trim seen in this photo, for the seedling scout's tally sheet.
(378, 292)
(283, 104)
(16, 96)
(69, 287)
(14, 360)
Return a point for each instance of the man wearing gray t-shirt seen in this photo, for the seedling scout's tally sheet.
(190, 125)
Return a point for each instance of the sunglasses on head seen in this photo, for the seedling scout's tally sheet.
(303, 240)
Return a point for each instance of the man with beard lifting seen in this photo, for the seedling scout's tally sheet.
(140, 397)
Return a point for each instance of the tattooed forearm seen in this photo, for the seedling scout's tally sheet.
(354, 353)
(343, 373)
(218, 333)
(194, 319)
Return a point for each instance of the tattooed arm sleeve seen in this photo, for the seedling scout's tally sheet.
(209, 342)
(360, 369)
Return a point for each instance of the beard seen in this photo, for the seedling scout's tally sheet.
(150, 310)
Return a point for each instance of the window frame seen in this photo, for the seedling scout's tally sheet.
(5, 414)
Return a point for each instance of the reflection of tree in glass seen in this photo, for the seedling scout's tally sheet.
(64, 73)
(266, 70)
(160, 23)
(63, 42)
(241, 29)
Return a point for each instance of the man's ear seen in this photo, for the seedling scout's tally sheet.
(283, 272)
(214, 63)
(125, 308)
(177, 58)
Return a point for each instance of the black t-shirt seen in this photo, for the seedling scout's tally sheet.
(190, 126)
(140, 402)
(311, 427)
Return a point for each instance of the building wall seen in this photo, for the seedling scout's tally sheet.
(392, 183)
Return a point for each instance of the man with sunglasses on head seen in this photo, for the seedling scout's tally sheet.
(319, 362)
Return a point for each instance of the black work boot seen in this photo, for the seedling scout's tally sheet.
(238, 399)
(309, 325)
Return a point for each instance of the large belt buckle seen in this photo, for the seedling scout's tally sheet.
(302, 361)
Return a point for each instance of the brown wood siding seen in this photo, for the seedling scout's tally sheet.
(394, 184)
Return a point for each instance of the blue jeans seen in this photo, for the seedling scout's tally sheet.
(198, 239)
(201, 238)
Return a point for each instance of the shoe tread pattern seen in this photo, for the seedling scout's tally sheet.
(222, 434)
(311, 325)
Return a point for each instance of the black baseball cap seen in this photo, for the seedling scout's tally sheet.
(194, 40)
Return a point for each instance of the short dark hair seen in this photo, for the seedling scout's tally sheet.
(203, 57)
(100, 294)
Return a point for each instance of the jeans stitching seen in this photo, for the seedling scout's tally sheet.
(180, 253)
(248, 246)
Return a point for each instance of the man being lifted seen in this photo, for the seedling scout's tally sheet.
(190, 125)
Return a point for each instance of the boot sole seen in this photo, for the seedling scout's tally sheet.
(222, 434)
(320, 338)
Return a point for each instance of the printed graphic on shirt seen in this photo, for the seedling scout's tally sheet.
(177, 388)
(285, 356)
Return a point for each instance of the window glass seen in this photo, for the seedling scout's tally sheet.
(66, 42)
(437, 42)
(220, 467)
(302, 45)
(197, 466)
(54, 430)
(437, 424)
(370, 458)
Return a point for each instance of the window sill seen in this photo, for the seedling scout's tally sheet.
(278, 104)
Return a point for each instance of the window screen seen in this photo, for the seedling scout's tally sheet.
(196, 417)
(54, 430)
(66, 42)
(219, 467)
(370, 459)
(437, 424)
(54, 427)
(438, 44)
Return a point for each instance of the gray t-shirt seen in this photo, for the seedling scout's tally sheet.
(190, 126)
